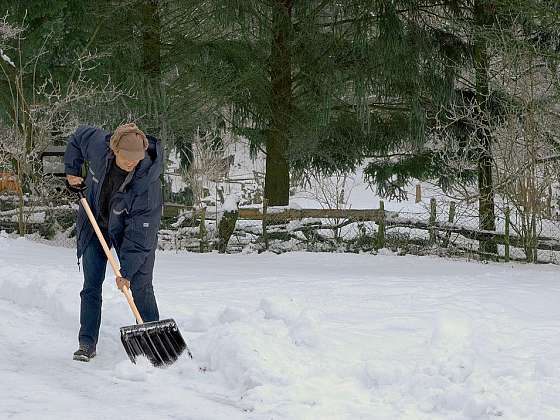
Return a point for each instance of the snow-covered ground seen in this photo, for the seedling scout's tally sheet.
(291, 336)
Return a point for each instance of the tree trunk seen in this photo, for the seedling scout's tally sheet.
(483, 21)
(153, 91)
(277, 178)
(151, 39)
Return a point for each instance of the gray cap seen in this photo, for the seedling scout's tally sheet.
(129, 141)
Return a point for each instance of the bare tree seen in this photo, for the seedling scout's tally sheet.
(208, 164)
(330, 191)
(524, 127)
(41, 110)
(526, 155)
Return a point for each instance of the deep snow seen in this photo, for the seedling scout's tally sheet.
(291, 336)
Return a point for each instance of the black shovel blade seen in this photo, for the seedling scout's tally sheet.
(160, 341)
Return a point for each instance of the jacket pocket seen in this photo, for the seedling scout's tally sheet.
(146, 230)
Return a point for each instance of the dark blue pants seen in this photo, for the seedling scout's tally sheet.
(95, 263)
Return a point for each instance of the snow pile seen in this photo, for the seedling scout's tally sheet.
(265, 344)
(231, 202)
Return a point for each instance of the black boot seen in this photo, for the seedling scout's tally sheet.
(84, 353)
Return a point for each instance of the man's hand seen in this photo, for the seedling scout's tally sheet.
(122, 282)
(74, 180)
(75, 184)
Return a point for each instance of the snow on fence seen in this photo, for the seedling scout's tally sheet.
(306, 225)
(202, 230)
(37, 216)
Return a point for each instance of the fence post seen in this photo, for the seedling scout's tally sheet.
(202, 230)
(418, 193)
(381, 226)
(506, 235)
(265, 234)
(534, 239)
(226, 227)
(450, 220)
(432, 221)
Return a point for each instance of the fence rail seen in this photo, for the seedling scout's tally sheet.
(274, 214)
(390, 219)
(439, 231)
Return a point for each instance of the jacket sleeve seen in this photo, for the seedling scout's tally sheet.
(140, 234)
(78, 149)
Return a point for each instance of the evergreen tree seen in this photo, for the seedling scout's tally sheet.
(234, 64)
(317, 83)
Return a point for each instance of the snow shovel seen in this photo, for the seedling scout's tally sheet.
(160, 341)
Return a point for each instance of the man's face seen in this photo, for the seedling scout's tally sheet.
(125, 164)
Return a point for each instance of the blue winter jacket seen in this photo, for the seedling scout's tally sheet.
(135, 209)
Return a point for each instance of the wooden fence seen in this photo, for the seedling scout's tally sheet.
(438, 231)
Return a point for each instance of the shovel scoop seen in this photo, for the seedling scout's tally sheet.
(160, 341)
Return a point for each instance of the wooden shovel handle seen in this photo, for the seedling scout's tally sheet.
(111, 259)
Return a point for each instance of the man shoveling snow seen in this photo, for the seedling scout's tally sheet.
(123, 189)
